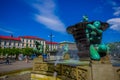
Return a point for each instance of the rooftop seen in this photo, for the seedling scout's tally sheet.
(31, 37)
(9, 38)
(66, 42)
(48, 42)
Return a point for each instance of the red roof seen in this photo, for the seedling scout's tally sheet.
(31, 37)
(48, 42)
(9, 38)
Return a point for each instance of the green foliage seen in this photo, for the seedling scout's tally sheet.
(6, 51)
(1, 51)
(27, 51)
(16, 51)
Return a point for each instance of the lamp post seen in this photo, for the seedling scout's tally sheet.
(51, 36)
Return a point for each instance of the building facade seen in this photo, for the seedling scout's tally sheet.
(29, 41)
(10, 42)
(26, 41)
(71, 45)
(52, 46)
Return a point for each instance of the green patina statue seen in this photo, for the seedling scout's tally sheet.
(85, 19)
(39, 47)
(88, 36)
(94, 36)
(65, 48)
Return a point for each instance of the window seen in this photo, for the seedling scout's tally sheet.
(5, 43)
(14, 44)
(26, 41)
(18, 44)
(23, 40)
(22, 44)
(9, 43)
(30, 41)
(30, 45)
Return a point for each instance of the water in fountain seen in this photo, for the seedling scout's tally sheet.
(54, 75)
(74, 54)
(59, 56)
(74, 58)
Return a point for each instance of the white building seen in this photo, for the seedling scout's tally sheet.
(52, 46)
(26, 41)
(10, 42)
(29, 41)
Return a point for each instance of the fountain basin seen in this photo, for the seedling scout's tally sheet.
(73, 70)
(65, 69)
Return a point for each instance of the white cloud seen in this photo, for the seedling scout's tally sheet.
(117, 11)
(115, 23)
(52, 23)
(6, 31)
(114, 4)
(46, 14)
(115, 7)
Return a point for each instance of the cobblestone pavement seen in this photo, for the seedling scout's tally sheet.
(17, 65)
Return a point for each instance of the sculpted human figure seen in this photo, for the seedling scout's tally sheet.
(39, 47)
(94, 35)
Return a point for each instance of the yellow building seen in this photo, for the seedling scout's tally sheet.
(71, 45)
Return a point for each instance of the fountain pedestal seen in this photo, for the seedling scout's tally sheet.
(73, 70)
(102, 72)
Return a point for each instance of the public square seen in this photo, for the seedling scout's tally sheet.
(59, 39)
(18, 70)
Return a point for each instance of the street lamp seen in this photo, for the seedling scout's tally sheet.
(51, 36)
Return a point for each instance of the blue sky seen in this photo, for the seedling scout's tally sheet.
(42, 17)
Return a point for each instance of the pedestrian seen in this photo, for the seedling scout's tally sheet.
(48, 56)
(26, 59)
(7, 60)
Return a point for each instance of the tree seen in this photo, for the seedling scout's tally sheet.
(1, 51)
(27, 51)
(6, 51)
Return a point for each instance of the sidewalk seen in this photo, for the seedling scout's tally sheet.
(18, 65)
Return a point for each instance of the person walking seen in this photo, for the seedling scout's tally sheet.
(7, 60)
(26, 59)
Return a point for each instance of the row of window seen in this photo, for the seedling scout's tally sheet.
(17, 44)
(9, 43)
(13, 44)
(31, 41)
